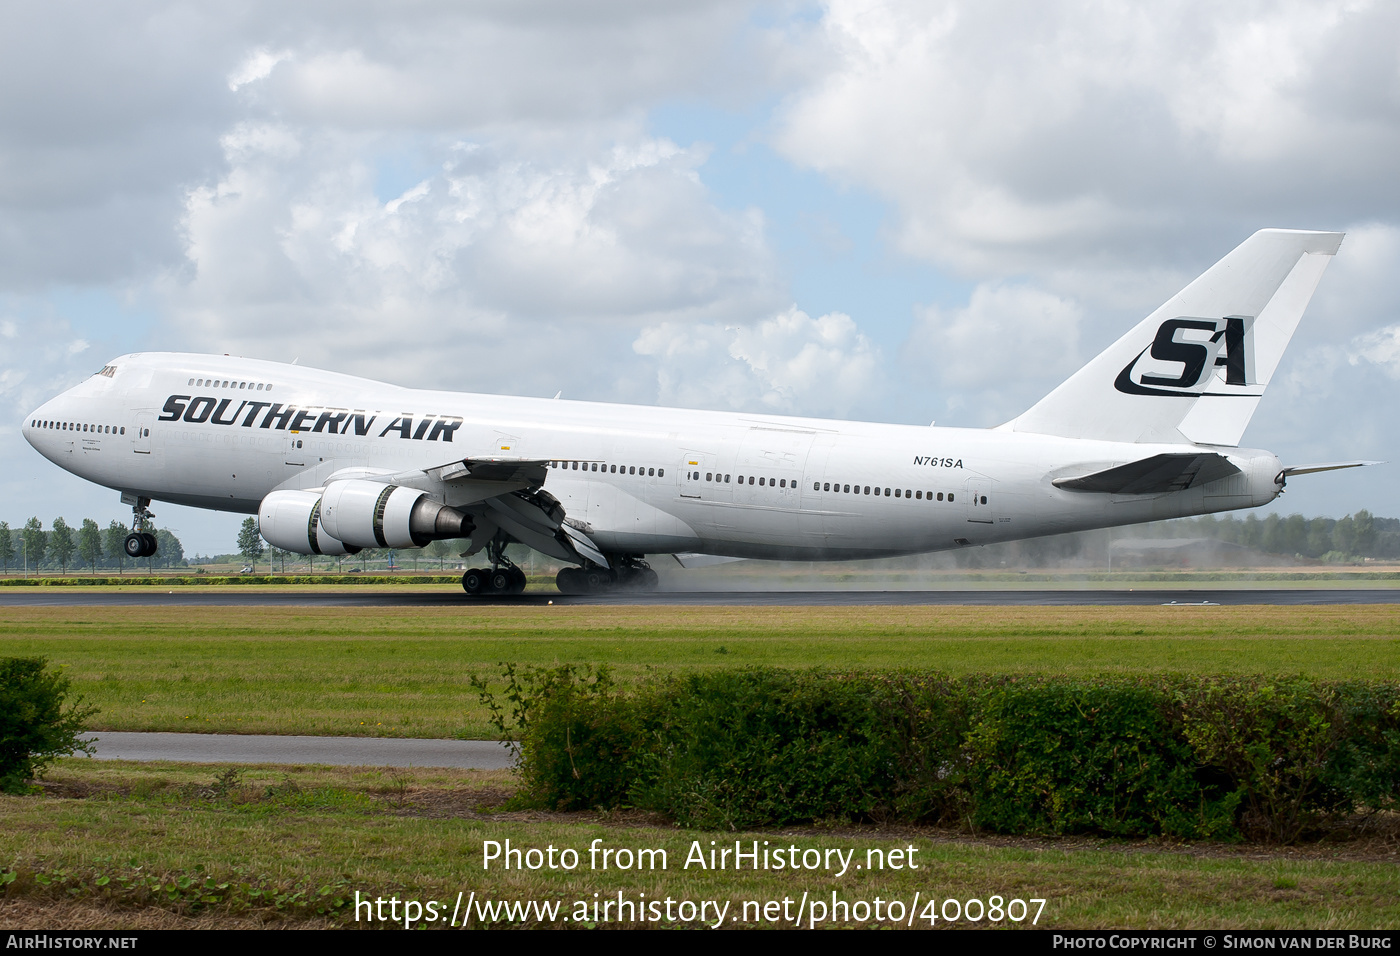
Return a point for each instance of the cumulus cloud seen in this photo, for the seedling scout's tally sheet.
(1380, 348)
(995, 355)
(112, 113)
(1011, 135)
(258, 66)
(790, 363)
(495, 270)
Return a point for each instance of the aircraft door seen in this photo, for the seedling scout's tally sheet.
(980, 500)
(141, 441)
(816, 521)
(293, 453)
(697, 477)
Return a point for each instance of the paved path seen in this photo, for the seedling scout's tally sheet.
(337, 751)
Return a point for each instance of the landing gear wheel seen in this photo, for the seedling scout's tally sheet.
(571, 581)
(517, 584)
(135, 545)
(151, 545)
(474, 581)
(637, 576)
(501, 580)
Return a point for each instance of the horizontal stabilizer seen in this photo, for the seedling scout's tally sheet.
(1155, 475)
(1329, 466)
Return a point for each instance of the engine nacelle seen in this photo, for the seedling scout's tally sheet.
(371, 514)
(290, 520)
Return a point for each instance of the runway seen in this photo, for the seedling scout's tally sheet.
(352, 597)
(334, 751)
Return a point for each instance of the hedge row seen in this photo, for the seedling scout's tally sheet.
(1187, 757)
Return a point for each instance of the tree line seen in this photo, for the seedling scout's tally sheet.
(87, 546)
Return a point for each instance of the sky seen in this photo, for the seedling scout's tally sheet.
(891, 211)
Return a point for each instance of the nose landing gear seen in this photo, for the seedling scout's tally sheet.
(141, 543)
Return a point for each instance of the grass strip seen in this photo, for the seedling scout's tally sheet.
(408, 671)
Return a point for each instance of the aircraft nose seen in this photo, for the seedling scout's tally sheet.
(33, 424)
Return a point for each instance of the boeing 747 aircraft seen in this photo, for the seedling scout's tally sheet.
(332, 464)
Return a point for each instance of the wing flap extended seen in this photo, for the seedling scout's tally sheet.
(1154, 475)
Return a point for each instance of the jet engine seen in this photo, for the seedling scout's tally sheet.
(291, 520)
(370, 514)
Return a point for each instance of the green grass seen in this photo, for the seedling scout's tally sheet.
(295, 843)
(407, 672)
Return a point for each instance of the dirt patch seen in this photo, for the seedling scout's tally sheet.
(70, 789)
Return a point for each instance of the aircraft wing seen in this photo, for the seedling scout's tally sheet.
(1154, 475)
(505, 495)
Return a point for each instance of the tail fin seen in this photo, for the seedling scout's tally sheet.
(1197, 367)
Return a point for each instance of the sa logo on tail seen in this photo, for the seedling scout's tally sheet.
(1185, 354)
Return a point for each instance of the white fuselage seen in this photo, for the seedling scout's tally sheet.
(220, 432)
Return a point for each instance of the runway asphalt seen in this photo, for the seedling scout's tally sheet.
(352, 597)
(335, 751)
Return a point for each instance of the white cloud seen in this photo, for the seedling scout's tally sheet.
(1000, 352)
(1380, 348)
(789, 364)
(505, 264)
(112, 113)
(258, 66)
(1017, 134)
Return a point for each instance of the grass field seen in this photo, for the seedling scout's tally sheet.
(130, 845)
(406, 672)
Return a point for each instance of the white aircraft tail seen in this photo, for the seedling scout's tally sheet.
(1196, 368)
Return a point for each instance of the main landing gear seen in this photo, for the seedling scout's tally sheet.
(141, 543)
(502, 577)
(631, 574)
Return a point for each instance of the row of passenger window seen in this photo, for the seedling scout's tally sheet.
(609, 469)
(718, 477)
(762, 480)
(78, 427)
(897, 492)
(225, 383)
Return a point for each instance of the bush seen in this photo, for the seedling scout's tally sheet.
(750, 748)
(34, 728)
(1188, 757)
(1069, 757)
(596, 735)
